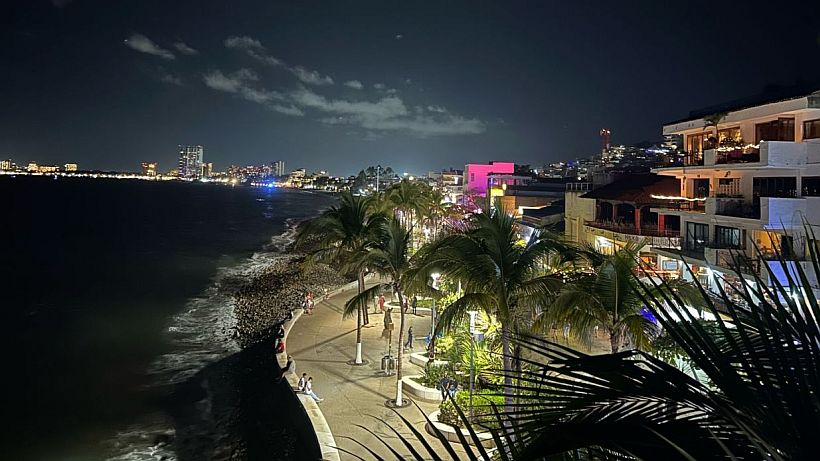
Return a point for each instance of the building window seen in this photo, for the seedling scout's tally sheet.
(728, 135)
(781, 129)
(472, 177)
(697, 235)
(811, 129)
(774, 187)
(811, 186)
(694, 143)
(700, 188)
(729, 237)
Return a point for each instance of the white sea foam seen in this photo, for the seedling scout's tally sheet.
(202, 333)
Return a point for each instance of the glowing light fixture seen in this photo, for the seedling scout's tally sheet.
(670, 197)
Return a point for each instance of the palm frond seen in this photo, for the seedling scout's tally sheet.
(360, 300)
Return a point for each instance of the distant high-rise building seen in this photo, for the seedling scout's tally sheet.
(605, 133)
(32, 167)
(278, 168)
(207, 170)
(149, 169)
(6, 165)
(70, 167)
(190, 162)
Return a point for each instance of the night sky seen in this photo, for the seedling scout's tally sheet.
(339, 85)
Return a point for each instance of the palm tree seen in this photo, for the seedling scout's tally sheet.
(763, 400)
(409, 200)
(500, 274)
(345, 232)
(390, 257)
(434, 211)
(713, 121)
(607, 298)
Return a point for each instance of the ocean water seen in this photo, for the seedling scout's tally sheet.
(112, 292)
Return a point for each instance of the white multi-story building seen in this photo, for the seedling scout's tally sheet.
(278, 168)
(751, 178)
(190, 162)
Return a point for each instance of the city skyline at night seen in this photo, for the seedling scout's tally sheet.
(330, 86)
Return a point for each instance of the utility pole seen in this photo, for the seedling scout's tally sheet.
(471, 327)
(378, 168)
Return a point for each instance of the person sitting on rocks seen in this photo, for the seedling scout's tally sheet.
(302, 382)
(290, 367)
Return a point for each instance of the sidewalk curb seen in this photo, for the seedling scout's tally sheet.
(327, 442)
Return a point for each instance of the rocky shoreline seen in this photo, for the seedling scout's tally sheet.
(239, 408)
(268, 297)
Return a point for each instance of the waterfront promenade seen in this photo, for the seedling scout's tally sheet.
(323, 345)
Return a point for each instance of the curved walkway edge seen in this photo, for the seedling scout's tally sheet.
(323, 433)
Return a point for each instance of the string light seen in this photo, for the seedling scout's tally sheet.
(670, 197)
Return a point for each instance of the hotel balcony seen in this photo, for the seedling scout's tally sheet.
(648, 230)
(787, 154)
(733, 207)
(731, 258)
(681, 207)
(774, 213)
(652, 234)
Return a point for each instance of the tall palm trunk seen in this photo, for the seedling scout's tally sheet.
(360, 285)
(614, 339)
(400, 346)
(363, 310)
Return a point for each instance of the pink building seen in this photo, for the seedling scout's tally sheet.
(475, 175)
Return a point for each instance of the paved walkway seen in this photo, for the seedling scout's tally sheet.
(323, 344)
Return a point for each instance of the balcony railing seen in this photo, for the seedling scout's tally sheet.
(737, 154)
(648, 230)
(693, 159)
(737, 208)
(579, 186)
(696, 206)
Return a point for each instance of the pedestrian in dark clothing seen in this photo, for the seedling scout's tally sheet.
(409, 343)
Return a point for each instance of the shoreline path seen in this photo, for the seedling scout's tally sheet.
(323, 345)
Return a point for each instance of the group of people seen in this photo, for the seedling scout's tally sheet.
(305, 386)
(407, 305)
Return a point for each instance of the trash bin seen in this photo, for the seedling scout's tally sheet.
(388, 365)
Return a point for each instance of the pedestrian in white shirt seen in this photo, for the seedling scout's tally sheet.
(309, 390)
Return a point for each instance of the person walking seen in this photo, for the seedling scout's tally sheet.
(302, 382)
(413, 304)
(381, 302)
(409, 343)
(309, 390)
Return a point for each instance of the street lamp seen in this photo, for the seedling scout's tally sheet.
(473, 332)
(435, 276)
